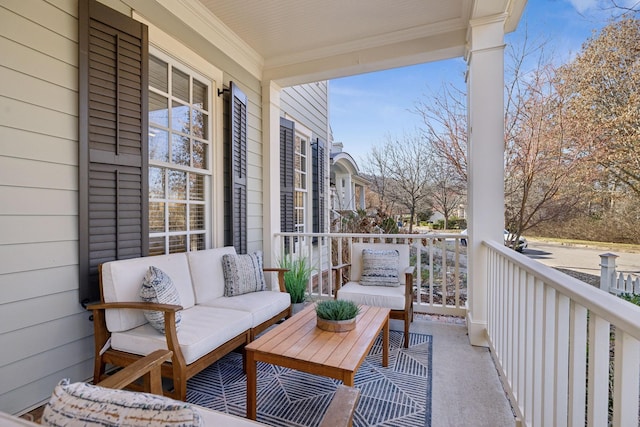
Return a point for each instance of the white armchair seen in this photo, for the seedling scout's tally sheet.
(380, 278)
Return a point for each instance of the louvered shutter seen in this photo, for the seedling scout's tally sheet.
(319, 186)
(287, 189)
(113, 129)
(238, 168)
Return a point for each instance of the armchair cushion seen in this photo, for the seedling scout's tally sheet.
(88, 405)
(380, 267)
(158, 287)
(392, 297)
(243, 274)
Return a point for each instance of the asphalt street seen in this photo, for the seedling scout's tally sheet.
(579, 258)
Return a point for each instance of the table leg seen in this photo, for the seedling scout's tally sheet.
(252, 386)
(385, 343)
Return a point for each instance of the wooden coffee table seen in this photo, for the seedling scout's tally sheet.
(298, 344)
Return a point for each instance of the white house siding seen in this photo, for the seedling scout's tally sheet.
(45, 335)
(308, 104)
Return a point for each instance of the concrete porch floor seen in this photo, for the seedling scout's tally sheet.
(466, 388)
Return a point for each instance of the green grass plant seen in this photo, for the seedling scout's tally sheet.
(337, 309)
(296, 280)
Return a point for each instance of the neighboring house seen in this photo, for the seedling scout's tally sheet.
(348, 188)
(135, 127)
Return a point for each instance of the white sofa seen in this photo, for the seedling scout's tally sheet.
(211, 324)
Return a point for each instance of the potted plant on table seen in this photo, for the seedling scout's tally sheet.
(296, 280)
(336, 315)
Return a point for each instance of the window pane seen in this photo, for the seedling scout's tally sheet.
(200, 98)
(156, 246)
(156, 217)
(200, 125)
(177, 185)
(158, 145)
(180, 117)
(156, 183)
(177, 217)
(196, 242)
(158, 109)
(196, 187)
(180, 150)
(177, 244)
(158, 74)
(180, 84)
(199, 154)
(196, 217)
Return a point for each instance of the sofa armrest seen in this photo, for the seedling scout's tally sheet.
(280, 272)
(149, 366)
(341, 409)
(102, 334)
(338, 276)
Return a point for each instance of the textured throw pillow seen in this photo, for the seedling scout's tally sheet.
(82, 404)
(380, 267)
(158, 287)
(242, 274)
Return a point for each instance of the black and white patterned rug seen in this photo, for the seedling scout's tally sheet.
(399, 395)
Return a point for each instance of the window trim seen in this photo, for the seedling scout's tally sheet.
(159, 41)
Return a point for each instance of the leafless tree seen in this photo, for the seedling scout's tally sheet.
(448, 190)
(400, 173)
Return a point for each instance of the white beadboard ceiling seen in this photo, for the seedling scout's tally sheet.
(327, 38)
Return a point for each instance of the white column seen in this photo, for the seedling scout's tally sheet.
(270, 171)
(485, 155)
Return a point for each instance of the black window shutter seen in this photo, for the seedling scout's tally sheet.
(319, 190)
(113, 129)
(287, 189)
(238, 168)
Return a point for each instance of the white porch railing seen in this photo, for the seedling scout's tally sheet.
(569, 353)
(440, 285)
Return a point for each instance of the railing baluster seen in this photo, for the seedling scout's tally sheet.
(626, 380)
(598, 371)
(577, 364)
(561, 365)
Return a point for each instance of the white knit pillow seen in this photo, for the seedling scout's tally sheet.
(380, 267)
(158, 287)
(243, 273)
(82, 404)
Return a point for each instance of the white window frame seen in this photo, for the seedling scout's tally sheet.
(302, 133)
(165, 47)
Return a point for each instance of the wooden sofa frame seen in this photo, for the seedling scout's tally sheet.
(178, 370)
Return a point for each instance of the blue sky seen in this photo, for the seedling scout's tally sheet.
(365, 109)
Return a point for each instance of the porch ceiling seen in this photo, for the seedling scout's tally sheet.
(309, 40)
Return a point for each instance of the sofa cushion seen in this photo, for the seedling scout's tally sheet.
(243, 274)
(206, 272)
(262, 305)
(158, 287)
(392, 297)
(88, 405)
(203, 329)
(121, 283)
(380, 267)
